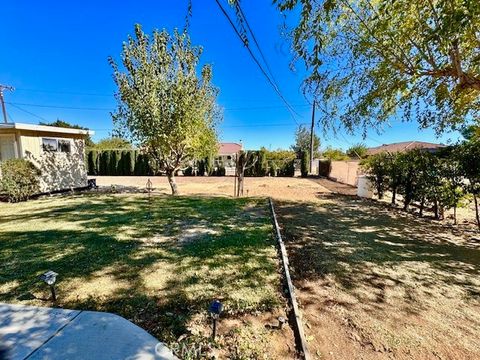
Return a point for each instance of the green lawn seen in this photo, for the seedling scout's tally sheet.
(157, 264)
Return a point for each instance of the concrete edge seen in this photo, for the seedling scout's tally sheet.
(298, 325)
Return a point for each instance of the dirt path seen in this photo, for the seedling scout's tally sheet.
(378, 284)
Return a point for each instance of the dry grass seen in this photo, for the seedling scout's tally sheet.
(158, 264)
(376, 283)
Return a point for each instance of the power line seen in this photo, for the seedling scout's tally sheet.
(60, 107)
(256, 43)
(110, 109)
(64, 92)
(290, 109)
(28, 112)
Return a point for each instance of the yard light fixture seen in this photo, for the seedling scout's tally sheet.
(149, 187)
(50, 278)
(215, 309)
(281, 322)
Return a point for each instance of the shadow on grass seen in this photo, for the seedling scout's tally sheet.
(164, 277)
(348, 238)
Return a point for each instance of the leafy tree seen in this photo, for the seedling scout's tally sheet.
(63, 124)
(376, 168)
(394, 169)
(113, 143)
(302, 142)
(471, 132)
(468, 154)
(371, 59)
(334, 154)
(164, 105)
(452, 185)
(357, 151)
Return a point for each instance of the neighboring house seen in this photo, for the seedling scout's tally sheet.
(57, 152)
(227, 153)
(404, 146)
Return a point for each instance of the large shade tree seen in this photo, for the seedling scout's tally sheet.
(369, 60)
(166, 102)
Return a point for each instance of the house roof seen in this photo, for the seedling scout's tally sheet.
(229, 148)
(45, 128)
(404, 146)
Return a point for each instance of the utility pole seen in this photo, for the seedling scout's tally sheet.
(2, 100)
(312, 136)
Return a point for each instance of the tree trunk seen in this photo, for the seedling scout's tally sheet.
(240, 185)
(435, 209)
(422, 205)
(455, 214)
(476, 209)
(394, 195)
(172, 182)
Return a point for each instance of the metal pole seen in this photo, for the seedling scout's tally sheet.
(214, 334)
(54, 295)
(3, 106)
(2, 100)
(312, 136)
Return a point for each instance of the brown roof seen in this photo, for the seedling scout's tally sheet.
(229, 148)
(404, 146)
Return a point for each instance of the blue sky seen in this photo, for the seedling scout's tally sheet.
(55, 54)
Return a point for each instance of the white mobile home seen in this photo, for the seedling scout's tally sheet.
(58, 152)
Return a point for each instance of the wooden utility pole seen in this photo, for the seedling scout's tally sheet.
(312, 136)
(2, 100)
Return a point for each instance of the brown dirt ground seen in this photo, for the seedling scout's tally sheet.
(375, 283)
(297, 189)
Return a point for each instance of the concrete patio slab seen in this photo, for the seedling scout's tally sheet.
(29, 332)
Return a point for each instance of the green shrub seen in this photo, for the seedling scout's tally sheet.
(114, 158)
(19, 179)
(92, 162)
(129, 162)
(272, 170)
(201, 167)
(287, 168)
(304, 165)
(219, 171)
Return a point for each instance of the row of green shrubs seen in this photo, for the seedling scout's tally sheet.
(118, 163)
(133, 162)
(442, 180)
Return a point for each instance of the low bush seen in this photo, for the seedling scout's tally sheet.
(19, 179)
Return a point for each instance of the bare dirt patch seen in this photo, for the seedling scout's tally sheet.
(376, 283)
(287, 188)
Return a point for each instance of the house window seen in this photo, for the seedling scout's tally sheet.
(49, 144)
(64, 146)
(54, 145)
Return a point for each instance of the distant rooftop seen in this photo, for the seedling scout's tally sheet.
(45, 128)
(229, 148)
(404, 146)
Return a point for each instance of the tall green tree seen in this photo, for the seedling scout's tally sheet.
(369, 60)
(166, 102)
(302, 142)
